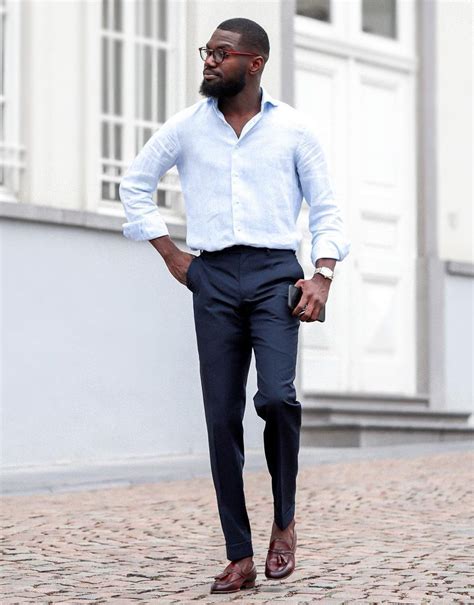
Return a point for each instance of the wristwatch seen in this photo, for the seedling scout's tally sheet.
(325, 272)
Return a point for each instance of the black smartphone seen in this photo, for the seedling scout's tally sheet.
(294, 295)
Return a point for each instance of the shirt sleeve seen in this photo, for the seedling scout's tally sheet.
(328, 237)
(159, 154)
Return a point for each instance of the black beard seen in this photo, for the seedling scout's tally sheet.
(219, 89)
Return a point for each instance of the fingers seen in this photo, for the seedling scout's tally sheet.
(301, 311)
(307, 312)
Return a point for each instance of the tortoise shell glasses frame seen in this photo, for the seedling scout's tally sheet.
(219, 54)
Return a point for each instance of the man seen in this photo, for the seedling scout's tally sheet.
(245, 161)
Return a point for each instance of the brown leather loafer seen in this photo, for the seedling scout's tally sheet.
(232, 579)
(280, 561)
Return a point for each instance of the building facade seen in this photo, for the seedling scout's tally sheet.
(99, 358)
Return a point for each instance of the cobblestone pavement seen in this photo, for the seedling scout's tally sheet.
(369, 531)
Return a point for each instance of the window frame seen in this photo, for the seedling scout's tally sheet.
(175, 100)
(405, 41)
(324, 29)
(345, 33)
(11, 150)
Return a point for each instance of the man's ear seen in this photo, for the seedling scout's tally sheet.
(257, 64)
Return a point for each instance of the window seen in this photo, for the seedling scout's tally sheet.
(137, 50)
(11, 151)
(361, 26)
(379, 17)
(315, 9)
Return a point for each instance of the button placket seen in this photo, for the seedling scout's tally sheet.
(235, 178)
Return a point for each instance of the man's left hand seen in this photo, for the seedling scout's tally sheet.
(313, 298)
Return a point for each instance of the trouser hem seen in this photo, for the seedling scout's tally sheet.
(284, 520)
(239, 550)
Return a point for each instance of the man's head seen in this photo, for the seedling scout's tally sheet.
(230, 76)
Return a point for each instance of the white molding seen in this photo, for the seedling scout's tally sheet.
(459, 268)
(345, 48)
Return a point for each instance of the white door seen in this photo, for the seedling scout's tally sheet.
(359, 93)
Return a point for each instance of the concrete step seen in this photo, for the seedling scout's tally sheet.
(365, 422)
(371, 400)
(378, 414)
(363, 434)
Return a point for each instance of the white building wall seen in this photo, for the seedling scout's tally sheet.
(454, 92)
(454, 127)
(459, 337)
(448, 130)
(99, 351)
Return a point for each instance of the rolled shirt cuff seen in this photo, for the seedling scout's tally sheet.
(330, 250)
(145, 229)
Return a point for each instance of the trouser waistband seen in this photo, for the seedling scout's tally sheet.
(245, 248)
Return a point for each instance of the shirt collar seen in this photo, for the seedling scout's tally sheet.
(266, 98)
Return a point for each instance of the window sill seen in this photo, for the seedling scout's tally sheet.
(76, 218)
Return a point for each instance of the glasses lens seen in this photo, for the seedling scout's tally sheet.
(218, 55)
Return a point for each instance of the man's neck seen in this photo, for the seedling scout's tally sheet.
(246, 102)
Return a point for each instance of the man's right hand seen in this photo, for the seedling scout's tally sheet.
(176, 260)
(178, 265)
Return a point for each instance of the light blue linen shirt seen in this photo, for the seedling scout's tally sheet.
(237, 190)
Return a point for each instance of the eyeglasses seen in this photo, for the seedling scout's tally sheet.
(219, 54)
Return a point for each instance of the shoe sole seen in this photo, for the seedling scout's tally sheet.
(280, 577)
(244, 586)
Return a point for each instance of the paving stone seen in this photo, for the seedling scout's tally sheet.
(369, 531)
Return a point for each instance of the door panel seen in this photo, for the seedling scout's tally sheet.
(384, 217)
(321, 93)
(365, 119)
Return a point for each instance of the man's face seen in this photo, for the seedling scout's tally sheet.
(228, 78)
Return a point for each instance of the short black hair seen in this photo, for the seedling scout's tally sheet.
(253, 36)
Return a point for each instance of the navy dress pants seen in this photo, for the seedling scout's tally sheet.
(240, 303)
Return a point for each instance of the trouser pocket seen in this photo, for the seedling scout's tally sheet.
(189, 274)
(298, 265)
